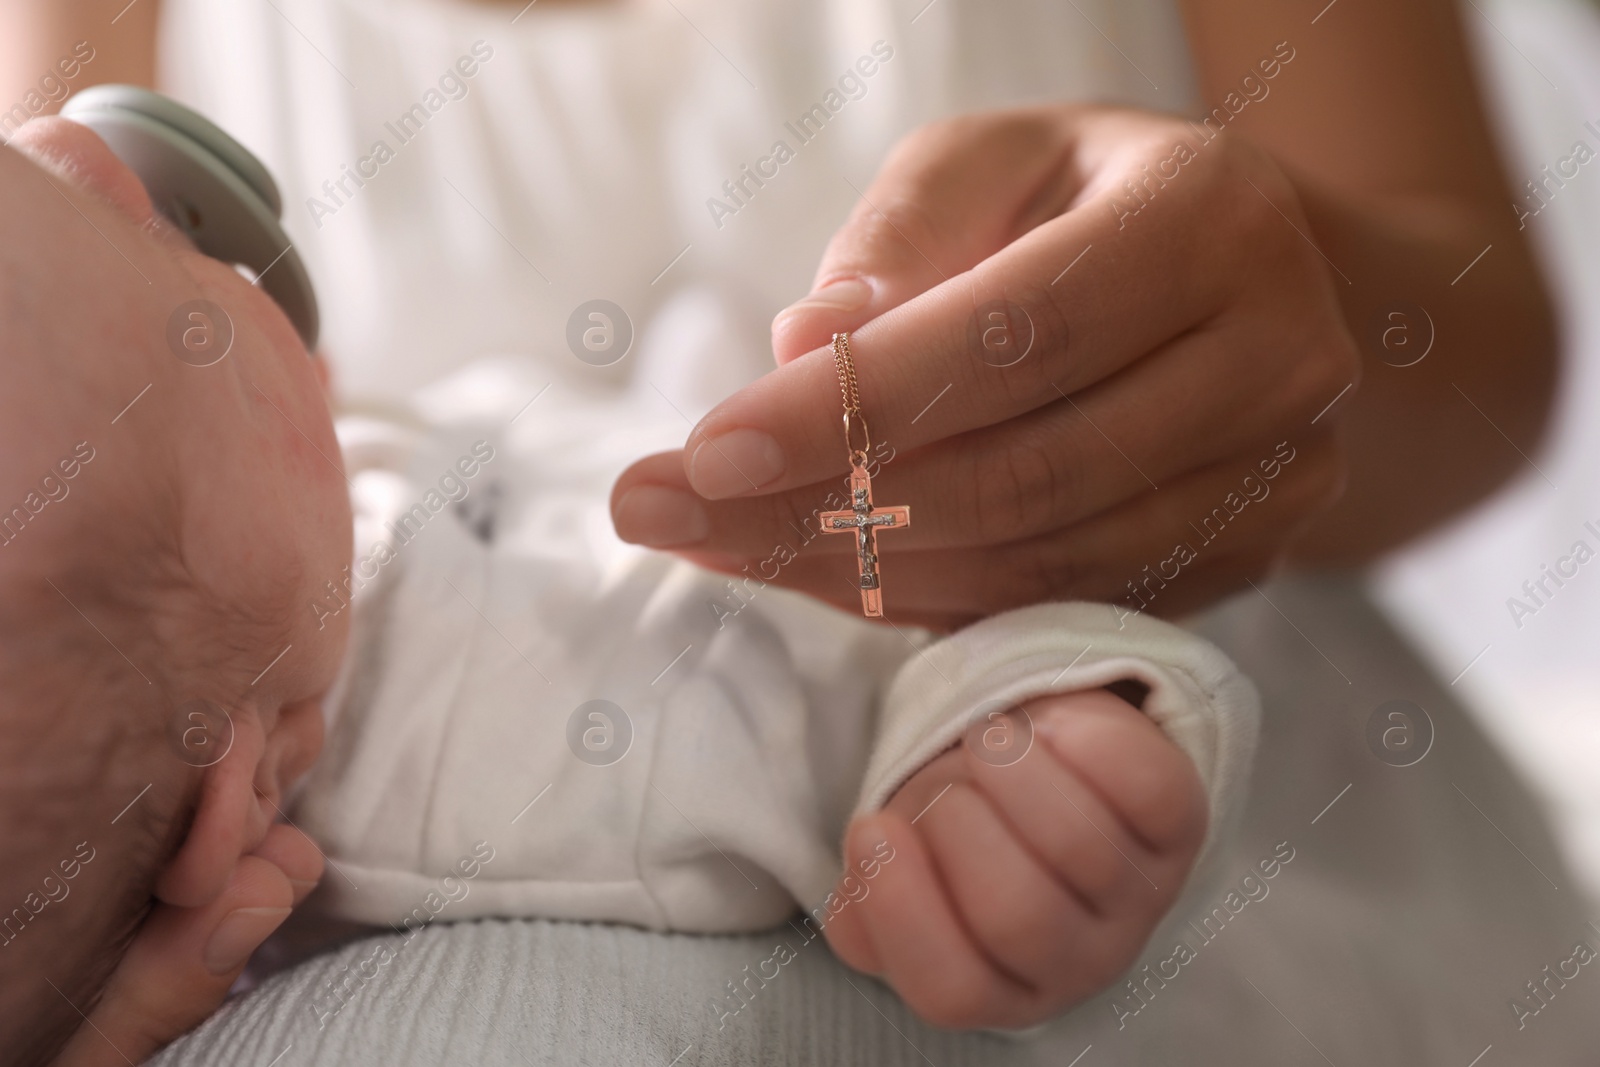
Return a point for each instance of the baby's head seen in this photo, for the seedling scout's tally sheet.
(165, 530)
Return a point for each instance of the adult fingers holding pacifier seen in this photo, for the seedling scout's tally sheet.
(1091, 354)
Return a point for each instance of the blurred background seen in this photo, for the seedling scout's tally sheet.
(1534, 679)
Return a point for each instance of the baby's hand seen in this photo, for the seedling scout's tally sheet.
(1015, 891)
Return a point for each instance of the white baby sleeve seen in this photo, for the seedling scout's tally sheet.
(1196, 695)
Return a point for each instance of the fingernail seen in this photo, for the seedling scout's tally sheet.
(847, 294)
(302, 889)
(240, 934)
(657, 516)
(735, 463)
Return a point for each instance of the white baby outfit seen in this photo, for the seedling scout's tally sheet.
(745, 723)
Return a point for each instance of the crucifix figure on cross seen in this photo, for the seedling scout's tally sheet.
(865, 522)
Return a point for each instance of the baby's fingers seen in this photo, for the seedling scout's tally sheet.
(847, 936)
(1115, 750)
(1027, 923)
(1105, 801)
(920, 944)
(296, 855)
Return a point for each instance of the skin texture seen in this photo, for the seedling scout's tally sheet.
(193, 545)
(1016, 891)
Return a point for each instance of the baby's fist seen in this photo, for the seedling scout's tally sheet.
(1020, 886)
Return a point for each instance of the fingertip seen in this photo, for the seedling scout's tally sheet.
(660, 517)
(840, 305)
(877, 838)
(652, 504)
(296, 855)
(662, 468)
(237, 938)
(847, 937)
(258, 898)
(257, 882)
(862, 834)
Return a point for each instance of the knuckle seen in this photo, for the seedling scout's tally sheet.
(1150, 783)
(887, 229)
(1262, 207)
(1258, 185)
(947, 146)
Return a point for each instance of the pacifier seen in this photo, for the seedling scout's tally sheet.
(208, 185)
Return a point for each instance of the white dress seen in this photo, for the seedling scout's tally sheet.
(580, 162)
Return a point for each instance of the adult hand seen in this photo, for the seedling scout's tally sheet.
(183, 960)
(1095, 352)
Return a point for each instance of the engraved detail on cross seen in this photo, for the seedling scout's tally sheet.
(865, 521)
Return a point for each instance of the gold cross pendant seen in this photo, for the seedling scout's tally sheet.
(865, 522)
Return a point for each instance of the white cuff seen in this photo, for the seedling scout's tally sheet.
(1196, 695)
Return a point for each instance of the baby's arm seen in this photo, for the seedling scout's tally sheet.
(1017, 889)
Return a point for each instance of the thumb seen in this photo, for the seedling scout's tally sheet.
(949, 196)
(184, 960)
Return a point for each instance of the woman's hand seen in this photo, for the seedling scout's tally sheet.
(1100, 358)
(183, 960)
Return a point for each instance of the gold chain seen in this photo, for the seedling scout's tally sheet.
(847, 373)
(845, 366)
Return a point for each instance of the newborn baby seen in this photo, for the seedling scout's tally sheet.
(530, 719)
